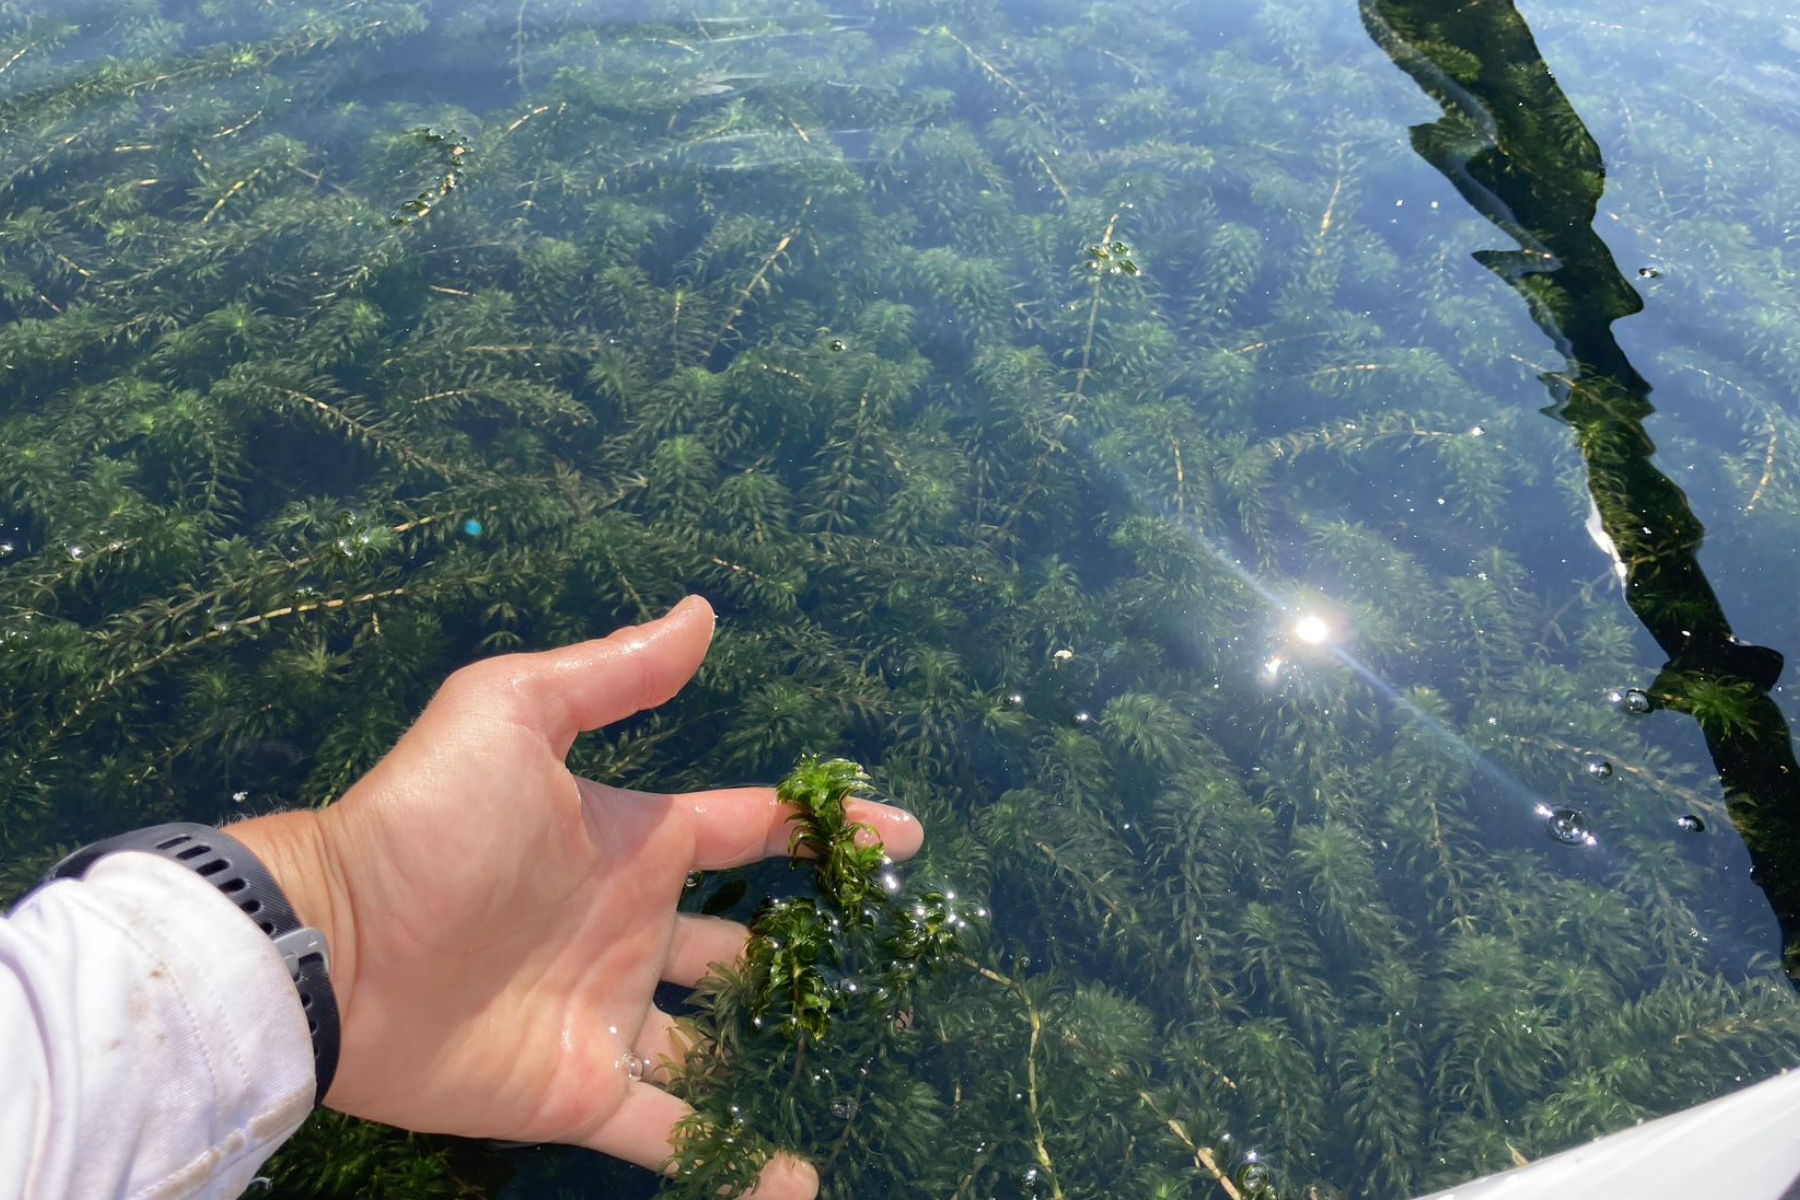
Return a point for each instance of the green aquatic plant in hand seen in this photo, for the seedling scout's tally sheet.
(854, 952)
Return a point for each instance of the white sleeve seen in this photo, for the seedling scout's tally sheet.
(152, 1045)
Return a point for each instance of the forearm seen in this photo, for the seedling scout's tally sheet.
(152, 1042)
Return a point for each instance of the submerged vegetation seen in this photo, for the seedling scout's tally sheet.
(824, 995)
(1011, 383)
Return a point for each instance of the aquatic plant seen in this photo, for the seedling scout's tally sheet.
(342, 344)
(825, 993)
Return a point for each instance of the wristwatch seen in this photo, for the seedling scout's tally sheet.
(228, 865)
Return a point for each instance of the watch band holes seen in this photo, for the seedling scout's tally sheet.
(305, 999)
(192, 852)
(251, 906)
(268, 927)
(234, 885)
(313, 1026)
(212, 868)
(179, 838)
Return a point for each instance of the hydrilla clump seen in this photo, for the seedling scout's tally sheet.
(781, 1047)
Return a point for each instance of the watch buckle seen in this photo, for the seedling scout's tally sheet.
(300, 943)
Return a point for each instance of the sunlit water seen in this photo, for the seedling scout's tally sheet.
(1253, 315)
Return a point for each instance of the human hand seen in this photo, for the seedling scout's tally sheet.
(498, 925)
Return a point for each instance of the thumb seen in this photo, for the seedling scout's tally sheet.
(571, 690)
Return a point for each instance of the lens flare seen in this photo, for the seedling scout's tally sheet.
(1312, 629)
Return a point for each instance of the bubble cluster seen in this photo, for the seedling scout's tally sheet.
(1568, 826)
(1255, 1177)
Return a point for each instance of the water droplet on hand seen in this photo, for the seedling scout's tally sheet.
(1599, 768)
(1569, 827)
(634, 1067)
(693, 880)
(1690, 823)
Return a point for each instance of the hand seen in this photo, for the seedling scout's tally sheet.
(497, 925)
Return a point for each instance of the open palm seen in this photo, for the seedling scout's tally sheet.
(501, 924)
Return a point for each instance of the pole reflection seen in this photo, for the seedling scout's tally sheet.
(1514, 147)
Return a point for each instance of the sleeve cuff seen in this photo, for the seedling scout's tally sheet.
(174, 1051)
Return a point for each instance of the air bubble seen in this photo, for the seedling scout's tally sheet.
(1015, 700)
(843, 1108)
(1084, 718)
(6, 549)
(693, 880)
(1635, 701)
(1651, 272)
(1690, 823)
(240, 797)
(1569, 827)
(1599, 768)
(837, 345)
(75, 551)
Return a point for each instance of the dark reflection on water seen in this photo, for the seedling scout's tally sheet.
(1518, 152)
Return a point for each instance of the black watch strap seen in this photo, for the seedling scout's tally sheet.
(228, 865)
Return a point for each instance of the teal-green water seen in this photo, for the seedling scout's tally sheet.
(1017, 380)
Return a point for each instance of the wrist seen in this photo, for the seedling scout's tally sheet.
(297, 850)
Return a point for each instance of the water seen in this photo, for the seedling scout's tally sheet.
(1094, 419)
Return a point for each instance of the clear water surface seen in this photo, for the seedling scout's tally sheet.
(1093, 418)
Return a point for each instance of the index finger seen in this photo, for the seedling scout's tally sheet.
(737, 826)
